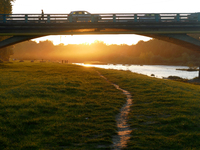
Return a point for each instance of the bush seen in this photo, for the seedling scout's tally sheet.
(174, 77)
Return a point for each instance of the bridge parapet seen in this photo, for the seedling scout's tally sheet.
(118, 17)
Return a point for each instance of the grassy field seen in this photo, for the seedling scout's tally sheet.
(63, 106)
(55, 106)
(165, 114)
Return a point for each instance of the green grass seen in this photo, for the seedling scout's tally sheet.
(59, 106)
(55, 106)
(165, 114)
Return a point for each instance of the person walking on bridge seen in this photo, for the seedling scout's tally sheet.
(42, 17)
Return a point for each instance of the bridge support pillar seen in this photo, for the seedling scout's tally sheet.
(199, 72)
(16, 39)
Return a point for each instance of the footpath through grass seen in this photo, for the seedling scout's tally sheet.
(165, 114)
(55, 106)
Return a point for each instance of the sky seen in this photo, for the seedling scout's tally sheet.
(103, 6)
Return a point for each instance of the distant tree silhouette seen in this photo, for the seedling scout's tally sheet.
(5, 8)
(149, 52)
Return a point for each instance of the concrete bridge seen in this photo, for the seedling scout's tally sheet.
(179, 28)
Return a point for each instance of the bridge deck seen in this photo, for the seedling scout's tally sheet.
(128, 23)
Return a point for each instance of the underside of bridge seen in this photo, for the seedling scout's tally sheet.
(16, 39)
(188, 41)
(191, 41)
(183, 34)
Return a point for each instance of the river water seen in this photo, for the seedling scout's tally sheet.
(160, 71)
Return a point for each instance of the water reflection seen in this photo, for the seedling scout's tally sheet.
(159, 71)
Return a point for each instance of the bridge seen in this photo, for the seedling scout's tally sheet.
(179, 28)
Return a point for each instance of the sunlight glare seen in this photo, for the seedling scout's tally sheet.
(87, 65)
(89, 39)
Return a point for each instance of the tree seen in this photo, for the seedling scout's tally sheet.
(5, 8)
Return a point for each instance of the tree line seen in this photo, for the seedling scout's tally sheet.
(150, 52)
(5, 8)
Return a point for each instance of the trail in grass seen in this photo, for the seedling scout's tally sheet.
(120, 140)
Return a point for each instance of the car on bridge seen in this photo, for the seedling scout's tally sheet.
(194, 17)
(146, 17)
(83, 16)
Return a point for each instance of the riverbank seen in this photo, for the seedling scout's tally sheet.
(65, 106)
(164, 114)
(158, 71)
(195, 81)
(188, 69)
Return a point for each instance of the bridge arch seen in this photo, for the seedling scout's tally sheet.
(183, 40)
(15, 39)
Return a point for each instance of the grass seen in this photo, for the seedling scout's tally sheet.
(55, 106)
(59, 106)
(165, 114)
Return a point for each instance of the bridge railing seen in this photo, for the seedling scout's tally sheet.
(118, 17)
(33, 18)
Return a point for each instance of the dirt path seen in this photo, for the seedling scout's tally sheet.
(120, 140)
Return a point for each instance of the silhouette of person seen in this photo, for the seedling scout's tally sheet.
(42, 14)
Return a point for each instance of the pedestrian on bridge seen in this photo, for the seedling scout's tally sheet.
(42, 14)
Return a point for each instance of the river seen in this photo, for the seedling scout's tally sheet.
(159, 71)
